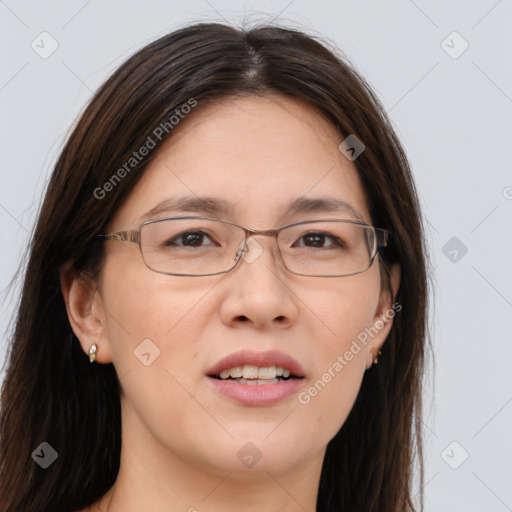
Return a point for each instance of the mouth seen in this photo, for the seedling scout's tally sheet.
(257, 378)
(256, 375)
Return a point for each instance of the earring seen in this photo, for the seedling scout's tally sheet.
(92, 353)
(375, 361)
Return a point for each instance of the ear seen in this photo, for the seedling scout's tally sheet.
(85, 311)
(383, 319)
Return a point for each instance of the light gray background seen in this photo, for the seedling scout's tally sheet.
(453, 116)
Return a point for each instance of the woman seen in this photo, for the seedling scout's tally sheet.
(232, 237)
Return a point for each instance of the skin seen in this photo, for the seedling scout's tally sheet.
(180, 437)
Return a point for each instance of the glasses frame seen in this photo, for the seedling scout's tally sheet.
(134, 235)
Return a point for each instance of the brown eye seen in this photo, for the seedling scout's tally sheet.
(188, 239)
(318, 239)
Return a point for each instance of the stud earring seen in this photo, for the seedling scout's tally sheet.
(375, 361)
(92, 353)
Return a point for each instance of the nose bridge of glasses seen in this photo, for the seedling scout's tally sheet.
(256, 246)
(272, 233)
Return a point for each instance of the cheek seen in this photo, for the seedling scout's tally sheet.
(153, 327)
(340, 353)
(344, 309)
(149, 313)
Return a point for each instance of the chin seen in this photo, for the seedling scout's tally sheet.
(253, 454)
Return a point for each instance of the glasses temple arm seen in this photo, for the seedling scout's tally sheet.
(123, 236)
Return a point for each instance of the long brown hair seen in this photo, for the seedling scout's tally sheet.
(51, 393)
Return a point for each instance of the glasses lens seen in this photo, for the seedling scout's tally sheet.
(325, 248)
(190, 246)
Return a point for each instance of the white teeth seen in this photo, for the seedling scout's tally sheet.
(254, 382)
(224, 374)
(237, 371)
(255, 373)
(250, 372)
(267, 372)
(269, 381)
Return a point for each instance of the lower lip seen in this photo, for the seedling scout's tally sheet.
(257, 394)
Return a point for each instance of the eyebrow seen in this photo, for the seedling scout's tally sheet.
(219, 207)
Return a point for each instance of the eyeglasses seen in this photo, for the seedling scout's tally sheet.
(203, 246)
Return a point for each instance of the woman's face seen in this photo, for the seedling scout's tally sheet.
(164, 333)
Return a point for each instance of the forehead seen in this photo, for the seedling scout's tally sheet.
(259, 156)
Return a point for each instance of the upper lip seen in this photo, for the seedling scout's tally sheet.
(251, 357)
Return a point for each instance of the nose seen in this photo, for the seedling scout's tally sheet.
(258, 289)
